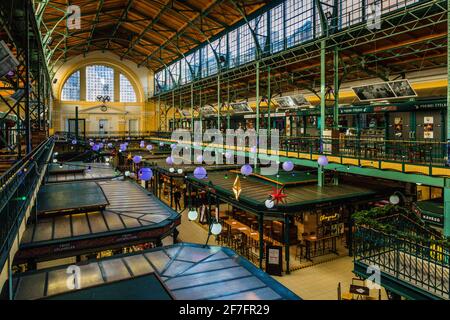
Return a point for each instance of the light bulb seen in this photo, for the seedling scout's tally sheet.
(216, 228)
(192, 215)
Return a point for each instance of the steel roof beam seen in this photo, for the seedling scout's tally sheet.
(97, 16)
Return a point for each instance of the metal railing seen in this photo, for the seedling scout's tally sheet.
(429, 153)
(16, 188)
(421, 265)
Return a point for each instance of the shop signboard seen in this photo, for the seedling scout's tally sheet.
(274, 261)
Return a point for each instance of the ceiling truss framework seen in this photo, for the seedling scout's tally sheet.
(151, 33)
(410, 40)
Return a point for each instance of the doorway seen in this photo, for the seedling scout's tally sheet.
(133, 126)
(103, 126)
(72, 123)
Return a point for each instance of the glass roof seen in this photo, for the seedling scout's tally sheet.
(188, 271)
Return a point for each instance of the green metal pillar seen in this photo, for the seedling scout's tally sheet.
(447, 188)
(257, 99)
(320, 171)
(76, 124)
(336, 89)
(261, 239)
(269, 100)
(192, 107)
(218, 101)
(173, 110)
(228, 105)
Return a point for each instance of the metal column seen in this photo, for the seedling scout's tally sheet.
(27, 79)
(447, 187)
(218, 101)
(261, 239)
(320, 171)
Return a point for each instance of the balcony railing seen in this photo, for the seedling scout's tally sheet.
(16, 188)
(367, 151)
(424, 266)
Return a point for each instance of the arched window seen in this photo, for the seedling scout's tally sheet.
(127, 93)
(71, 89)
(99, 82)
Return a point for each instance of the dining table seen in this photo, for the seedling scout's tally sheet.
(313, 241)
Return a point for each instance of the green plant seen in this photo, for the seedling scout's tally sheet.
(377, 219)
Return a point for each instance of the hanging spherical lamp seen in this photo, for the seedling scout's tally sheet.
(169, 160)
(95, 147)
(322, 160)
(246, 170)
(74, 141)
(288, 166)
(200, 173)
(137, 159)
(161, 144)
(199, 159)
(216, 228)
(91, 144)
(149, 147)
(192, 215)
(269, 203)
(145, 174)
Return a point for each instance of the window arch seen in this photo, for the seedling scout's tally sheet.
(71, 89)
(99, 80)
(127, 93)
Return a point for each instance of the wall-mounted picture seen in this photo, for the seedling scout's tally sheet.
(208, 110)
(402, 89)
(377, 91)
(398, 127)
(295, 101)
(428, 123)
(240, 107)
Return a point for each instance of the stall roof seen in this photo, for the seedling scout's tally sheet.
(187, 272)
(255, 191)
(57, 197)
(98, 171)
(131, 215)
(189, 168)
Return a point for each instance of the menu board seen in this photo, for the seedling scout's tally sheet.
(274, 261)
(398, 127)
(428, 123)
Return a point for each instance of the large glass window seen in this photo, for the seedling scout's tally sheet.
(233, 48)
(71, 89)
(277, 28)
(299, 21)
(246, 43)
(127, 93)
(99, 82)
(160, 79)
(290, 23)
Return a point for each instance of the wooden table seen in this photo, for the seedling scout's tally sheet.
(253, 235)
(314, 240)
